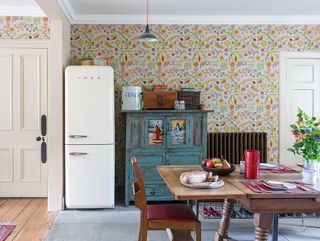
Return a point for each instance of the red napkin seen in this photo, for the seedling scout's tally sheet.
(278, 169)
(258, 186)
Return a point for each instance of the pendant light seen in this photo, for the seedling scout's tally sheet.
(147, 36)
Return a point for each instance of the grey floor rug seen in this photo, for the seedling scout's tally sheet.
(121, 224)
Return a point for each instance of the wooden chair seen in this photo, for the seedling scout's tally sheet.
(172, 217)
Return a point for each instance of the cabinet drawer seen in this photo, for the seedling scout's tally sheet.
(155, 190)
(159, 100)
(148, 166)
(156, 193)
(159, 105)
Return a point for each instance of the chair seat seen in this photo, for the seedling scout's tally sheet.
(170, 212)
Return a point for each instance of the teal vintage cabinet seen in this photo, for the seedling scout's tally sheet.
(162, 137)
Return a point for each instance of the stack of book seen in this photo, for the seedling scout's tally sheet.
(188, 89)
(159, 87)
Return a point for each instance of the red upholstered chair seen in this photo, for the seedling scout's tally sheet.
(162, 216)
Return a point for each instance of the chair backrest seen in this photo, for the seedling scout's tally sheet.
(139, 193)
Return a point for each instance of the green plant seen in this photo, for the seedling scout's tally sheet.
(307, 137)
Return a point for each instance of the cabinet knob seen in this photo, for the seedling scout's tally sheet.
(153, 193)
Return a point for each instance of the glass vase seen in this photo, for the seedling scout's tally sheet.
(312, 165)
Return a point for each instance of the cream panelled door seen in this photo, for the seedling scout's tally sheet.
(299, 87)
(23, 99)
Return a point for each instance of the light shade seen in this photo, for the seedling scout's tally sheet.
(147, 36)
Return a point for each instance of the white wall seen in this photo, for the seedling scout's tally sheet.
(59, 54)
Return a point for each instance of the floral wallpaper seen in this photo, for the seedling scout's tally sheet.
(236, 68)
(23, 28)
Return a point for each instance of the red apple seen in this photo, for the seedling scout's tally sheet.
(204, 162)
(210, 164)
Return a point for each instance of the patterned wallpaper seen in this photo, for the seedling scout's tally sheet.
(236, 67)
(23, 28)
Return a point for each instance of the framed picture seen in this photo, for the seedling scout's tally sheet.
(155, 132)
(178, 132)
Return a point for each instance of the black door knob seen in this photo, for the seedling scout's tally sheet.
(38, 138)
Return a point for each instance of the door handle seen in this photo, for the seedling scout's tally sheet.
(78, 153)
(43, 152)
(77, 136)
(43, 125)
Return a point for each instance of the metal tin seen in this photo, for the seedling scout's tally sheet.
(131, 98)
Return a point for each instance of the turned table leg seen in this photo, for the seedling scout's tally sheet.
(275, 227)
(262, 223)
(222, 232)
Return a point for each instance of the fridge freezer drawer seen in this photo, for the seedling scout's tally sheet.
(89, 176)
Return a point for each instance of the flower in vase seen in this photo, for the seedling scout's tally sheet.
(308, 131)
(307, 137)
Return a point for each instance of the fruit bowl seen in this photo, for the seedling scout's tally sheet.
(219, 171)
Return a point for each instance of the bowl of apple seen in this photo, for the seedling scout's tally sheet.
(218, 166)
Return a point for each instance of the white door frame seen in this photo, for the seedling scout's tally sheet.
(52, 117)
(283, 63)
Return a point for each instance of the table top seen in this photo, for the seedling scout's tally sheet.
(233, 188)
(235, 178)
(171, 176)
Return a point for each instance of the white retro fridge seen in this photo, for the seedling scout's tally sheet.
(89, 137)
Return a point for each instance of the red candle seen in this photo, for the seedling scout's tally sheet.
(251, 164)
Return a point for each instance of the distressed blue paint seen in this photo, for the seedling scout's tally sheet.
(193, 151)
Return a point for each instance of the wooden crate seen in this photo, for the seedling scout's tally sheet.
(159, 100)
(191, 99)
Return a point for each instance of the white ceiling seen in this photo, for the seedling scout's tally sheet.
(192, 11)
(195, 7)
(176, 11)
(20, 8)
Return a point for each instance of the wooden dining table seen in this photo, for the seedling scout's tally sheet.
(263, 205)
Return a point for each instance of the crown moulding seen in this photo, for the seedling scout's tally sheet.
(75, 18)
(22, 11)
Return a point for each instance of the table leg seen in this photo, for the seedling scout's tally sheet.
(275, 227)
(222, 232)
(262, 223)
(190, 203)
(197, 208)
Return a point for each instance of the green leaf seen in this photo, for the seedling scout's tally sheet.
(292, 150)
(306, 116)
(314, 118)
(293, 126)
(299, 144)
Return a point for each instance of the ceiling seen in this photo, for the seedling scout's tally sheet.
(176, 11)
(192, 11)
(20, 8)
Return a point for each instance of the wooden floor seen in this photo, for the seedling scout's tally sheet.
(29, 214)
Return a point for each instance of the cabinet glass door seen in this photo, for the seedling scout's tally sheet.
(155, 134)
(178, 132)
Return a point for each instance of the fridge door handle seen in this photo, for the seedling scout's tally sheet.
(78, 153)
(77, 136)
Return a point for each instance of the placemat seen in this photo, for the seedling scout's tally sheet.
(278, 169)
(259, 187)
